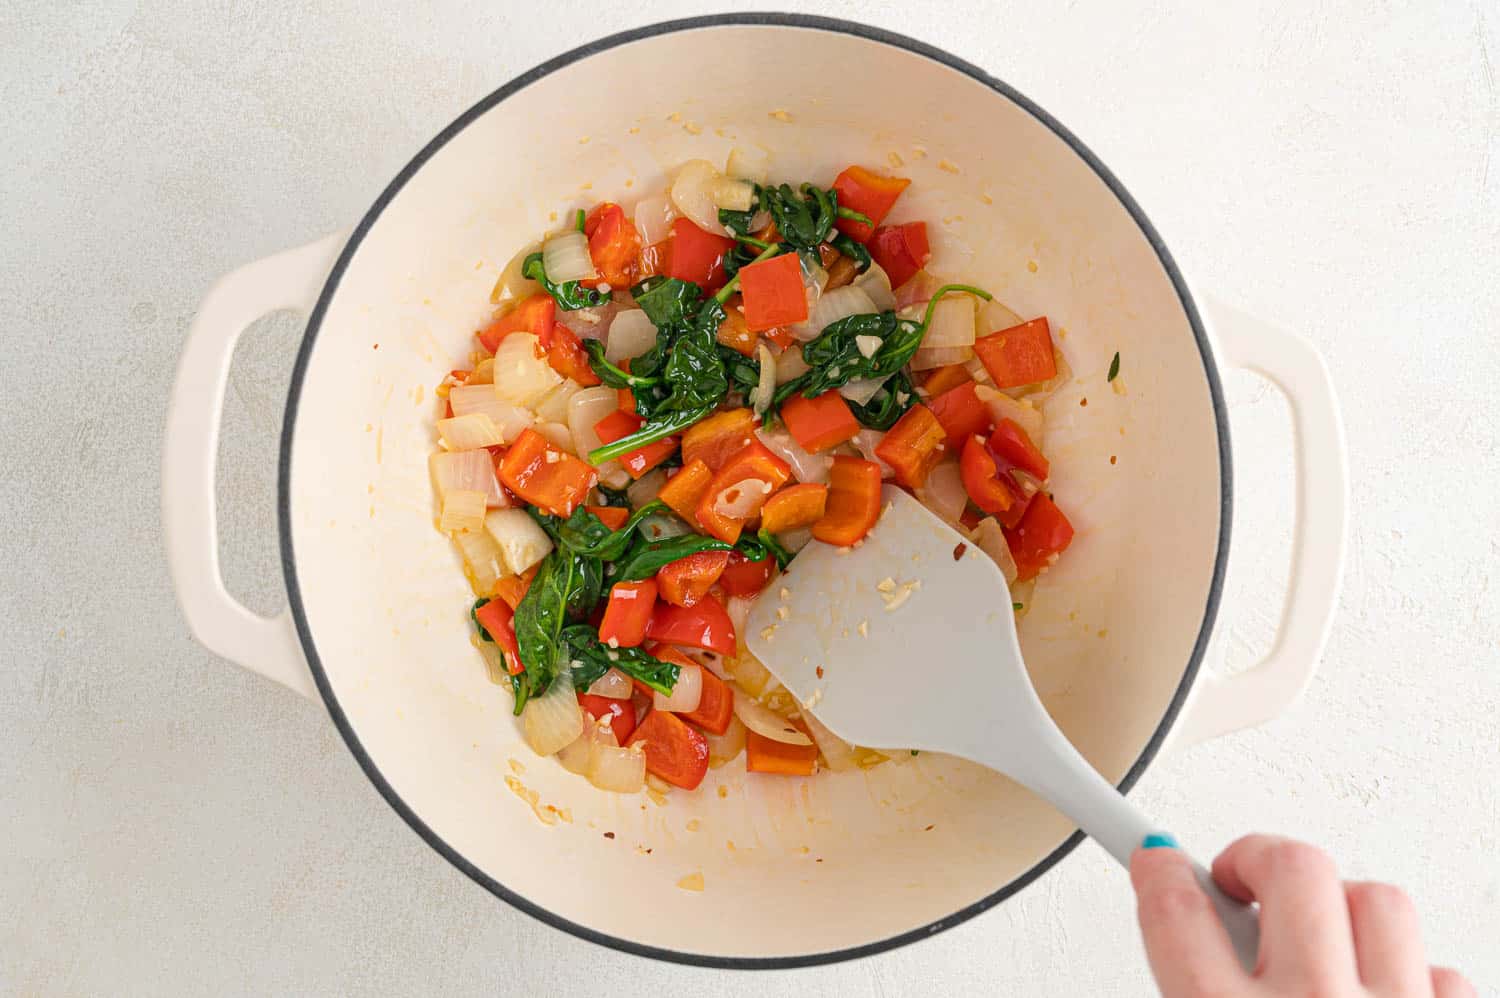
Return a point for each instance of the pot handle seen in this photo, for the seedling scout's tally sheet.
(1258, 694)
(267, 645)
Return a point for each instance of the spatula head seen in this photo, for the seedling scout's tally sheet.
(906, 641)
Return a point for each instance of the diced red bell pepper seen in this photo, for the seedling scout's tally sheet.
(868, 193)
(544, 476)
(686, 581)
(743, 577)
(719, 437)
(819, 423)
(961, 413)
(631, 605)
(1043, 534)
(913, 447)
(716, 706)
(567, 357)
(901, 250)
(795, 507)
(535, 314)
(1010, 443)
(613, 517)
(684, 490)
(512, 588)
(696, 255)
(621, 714)
(739, 489)
(945, 378)
(781, 336)
(620, 424)
(853, 501)
(971, 517)
(497, 619)
(1020, 355)
(982, 479)
(705, 625)
(675, 751)
(774, 293)
(767, 755)
(614, 244)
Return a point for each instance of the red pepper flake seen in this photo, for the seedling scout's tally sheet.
(609, 835)
(820, 672)
(377, 346)
(1112, 459)
(1083, 402)
(929, 828)
(958, 552)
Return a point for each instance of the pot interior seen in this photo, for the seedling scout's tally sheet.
(791, 868)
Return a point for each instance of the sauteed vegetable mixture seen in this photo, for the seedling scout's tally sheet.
(670, 403)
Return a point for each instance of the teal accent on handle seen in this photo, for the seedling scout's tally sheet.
(1159, 841)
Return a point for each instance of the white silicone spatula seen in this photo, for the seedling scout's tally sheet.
(917, 649)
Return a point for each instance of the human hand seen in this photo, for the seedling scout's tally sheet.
(1318, 934)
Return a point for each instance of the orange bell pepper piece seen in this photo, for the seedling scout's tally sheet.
(774, 293)
(613, 517)
(620, 424)
(513, 588)
(535, 314)
(739, 489)
(544, 476)
(819, 423)
(868, 193)
(1020, 355)
(853, 501)
(799, 506)
(719, 437)
(945, 378)
(627, 613)
(767, 755)
(675, 751)
(914, 446)
(687, 580)
(567, 357)
(684, 490)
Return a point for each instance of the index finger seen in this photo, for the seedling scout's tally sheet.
(1189, 951)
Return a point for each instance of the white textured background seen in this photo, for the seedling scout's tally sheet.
(171, 824)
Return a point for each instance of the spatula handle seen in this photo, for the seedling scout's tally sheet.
(1066, 779)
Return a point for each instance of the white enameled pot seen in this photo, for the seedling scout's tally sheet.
(794, 871)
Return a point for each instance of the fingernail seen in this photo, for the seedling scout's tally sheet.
(1159, 841)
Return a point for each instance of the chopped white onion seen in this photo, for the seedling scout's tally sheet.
(584, 412)
(611, 767)
(918, 290)
(693, 192)
(510, 419)
(660, 526)
(483, 373)
(553, 720)
(630, 335)
(764, 391)
(866, 440)
(685, 696)
(978, 371)
(790, 364)
(994, 317)
(795, 540)
(943, 492)
(558, 435)
(726, 747)
(521, 540)
(613, 684)
(735, 195)
(469, 432)
(743, 499)
(806, 466)
(522, 374)
(875, 283)
(1002, 406)
(990, 539)
(466, 470)
(925, 359)
(861, 390)
(765, 722)
(654, 217)
(645, 488)
(482, 559)
(565, 257)
(837, 753)
(834, 305)
(752, 163)
(574, 756)
(512, 284)
(952, 323)
(553, 408)
(463, 509)
(738, 608)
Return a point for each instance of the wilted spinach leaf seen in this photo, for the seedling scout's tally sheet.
(592, 659)
(570, 295)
